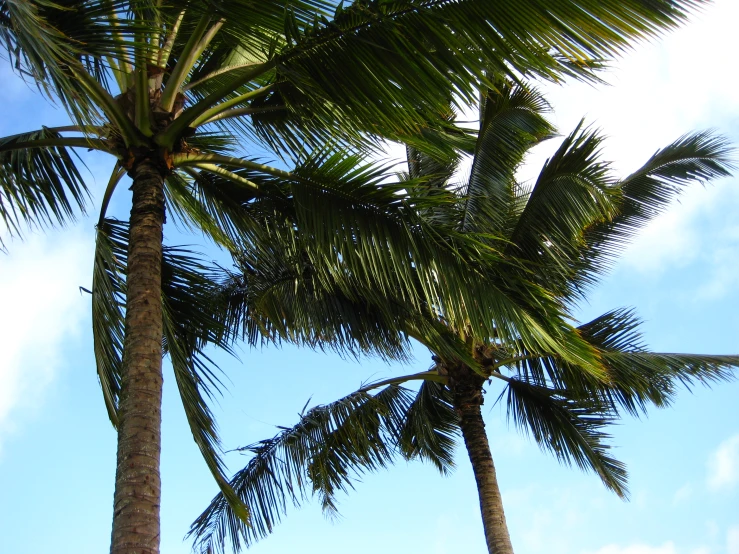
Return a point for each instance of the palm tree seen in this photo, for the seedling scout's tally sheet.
(198, 79)
(555, 239)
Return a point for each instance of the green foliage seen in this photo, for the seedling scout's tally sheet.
(365, 261)
(39, 185)
(324, 453)
(563, 384)
(189, 325)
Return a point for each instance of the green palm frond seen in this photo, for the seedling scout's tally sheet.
(647, 192)
(190, 323)
(108, 305)
(568, 426)
(351, 218)
(633, 378)
(431, 427)
(211, 204)
(275, 297)
(39, 183)
(330, 447)
(511, 123)
(47, 41)
(428, 48)
(639, 378)
(387, 69)
(573, 192)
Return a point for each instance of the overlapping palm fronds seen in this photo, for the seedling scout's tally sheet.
(549, 234)
(171, 89)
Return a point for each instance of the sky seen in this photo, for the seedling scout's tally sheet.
(57, 448)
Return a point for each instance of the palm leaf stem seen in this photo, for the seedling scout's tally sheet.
(126, 66)
(109, 106)
(179, 125)
(217, 73)
(118, 74)
(238, 112)
(509, 361)
(224, 106)
(431, 375)
(118, 172)
(195, 159)
(226, 174)
(142, 109)
(195, 46)
(71, 142)
(166, 50)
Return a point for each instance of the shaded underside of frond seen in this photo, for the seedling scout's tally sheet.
(39, 185)
(567, 426)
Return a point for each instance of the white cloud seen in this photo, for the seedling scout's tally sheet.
(667, 548)
(41, 308)
(683, 494)
(659, 92)
(732, 540)
(723, 465)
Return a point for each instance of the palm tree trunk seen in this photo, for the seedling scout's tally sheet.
(467, 391)
(137, 482)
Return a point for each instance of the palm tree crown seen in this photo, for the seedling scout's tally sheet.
(552, 239)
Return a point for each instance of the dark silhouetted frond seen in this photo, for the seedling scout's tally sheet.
(567, 426)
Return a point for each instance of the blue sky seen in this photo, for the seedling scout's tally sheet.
(57, 449)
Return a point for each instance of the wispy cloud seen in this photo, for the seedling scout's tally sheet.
(667, 548)
(732, 540)
(41, 309)
(683, 494)
(723, 465)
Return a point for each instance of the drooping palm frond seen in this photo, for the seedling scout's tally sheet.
(211, 204)
(387, 245)
(275, 297)
(639, 378)
(388, 69)
(190, 323)
(633, 378)
(372, 240)
(325, 453)
(568, 426)
(40, 49)
(431, 427)
(425, 48)
(108, 305)
(39, 183)
(359, 429)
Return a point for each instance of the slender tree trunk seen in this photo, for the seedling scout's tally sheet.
(137, 482)
(467, 391)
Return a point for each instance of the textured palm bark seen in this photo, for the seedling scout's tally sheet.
(467, 392)
(137, 482)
